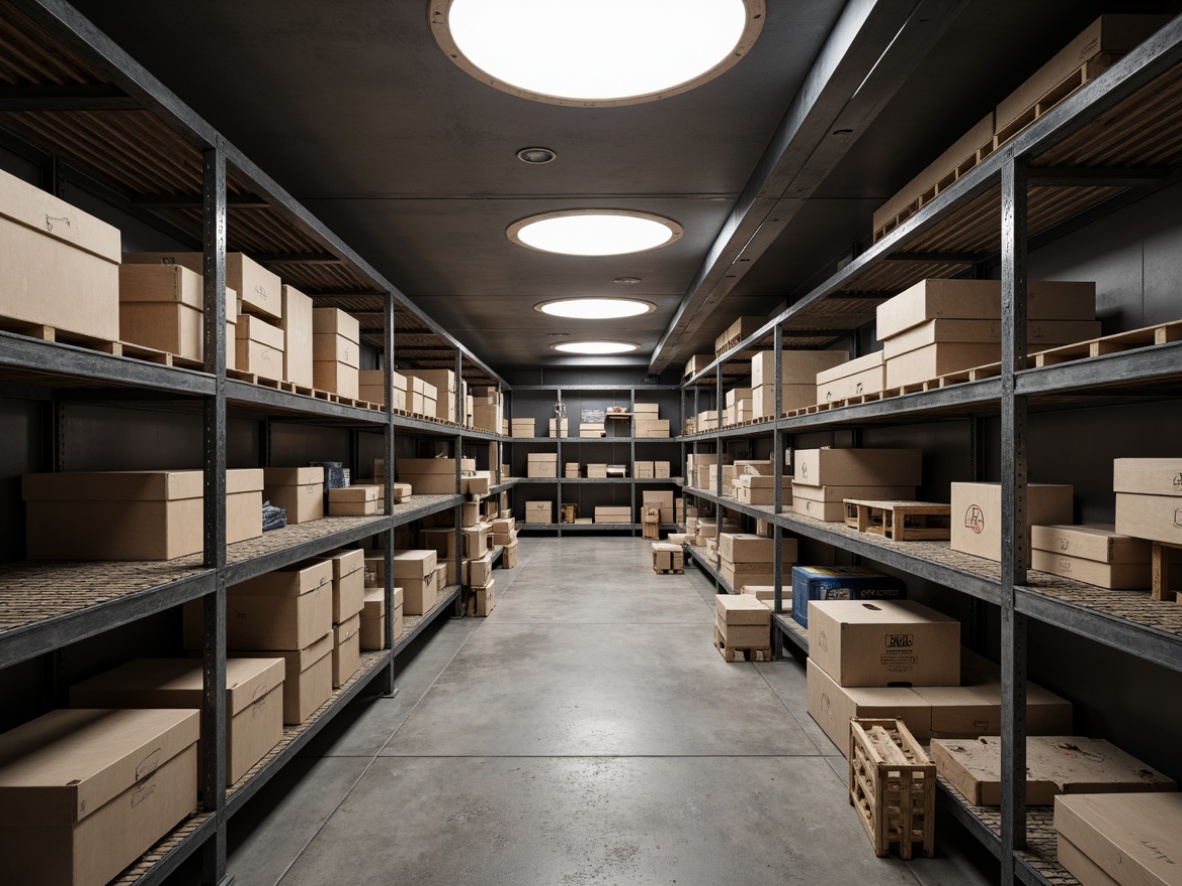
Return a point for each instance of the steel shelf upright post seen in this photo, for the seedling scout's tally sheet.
(388, 449)
(778, 493)
(458, 452)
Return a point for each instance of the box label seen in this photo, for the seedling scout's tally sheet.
(974, 519)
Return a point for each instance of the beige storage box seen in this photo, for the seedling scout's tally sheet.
(854, 378)
(1130, 839)
(373, 620)
(541, 464)
(85, 793)
(307, 680)
(742, 621)
(432, 476)
(348, 583)
(254, 699)
(258, 348)
(259, 289)
(1149, 498)
(976, 514)
(346, 650)
(358, 500)
(59, 266)
(299, 491)
(742, 547)
(539, 512)
(132, 515)
(858, 467)
(163, 307)
(296, 324)
(372, 387)
(336, 352)
(414, 572)
(796, 368)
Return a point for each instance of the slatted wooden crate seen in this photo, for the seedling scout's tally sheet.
(899, 520)
(892, 786)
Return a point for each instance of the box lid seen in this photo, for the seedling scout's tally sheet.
(414, 564)
(63, 766)
(360, 492)
(177, 682)
(345, 561)
(131, 485)
(291, 581)
(35, 208)
(296, 661)
(850, 367)
(346, 629)
(375, 603)
(876, 612)
(741, 609)
(293, 476)
(260, 331)
(1136, 838)
(334, 320)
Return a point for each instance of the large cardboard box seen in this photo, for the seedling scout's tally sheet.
(542, 464)
(758, 489)
(358, 500)
(59, 266)
(162, 307)
(976, 514)
(796, 368)
(1054, 765)
(132, 515)
(259, 289)
(1149, 498)
(856, 378)
(1100, 543)
(307, 680)
(735, 610)
(414, 572)
(884, 643)
(1114, 576)
(736, 332)
(336, 352)
(981, 300)
(297, 331)
(85, 793)
(737, 575)
(838, 494)
(254, 699)
(931, 361)
(1040, 334)
(258, 348)
(1136, 839)
(763, 398)
(432, 476)
(539, 512)
(613, 515)
(858, 467)
(815, 583)
(289, 608)
(373, 619)
(372, 387)
(299, 491)
(346, 650)
(348, 583)
(741, 547)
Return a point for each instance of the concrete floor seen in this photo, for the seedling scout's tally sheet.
(586, 732)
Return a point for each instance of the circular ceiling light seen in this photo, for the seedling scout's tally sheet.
(626, 281)
(596, 308)
(596, 347)
(594, 232)
(601, 54)
(536, 156)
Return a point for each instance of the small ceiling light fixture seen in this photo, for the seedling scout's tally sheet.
(626, 281)
(594, 231)
(596, 347)
(536, 156)
(602, 54)
(596, 308)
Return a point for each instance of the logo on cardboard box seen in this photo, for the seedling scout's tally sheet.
(899, 641)
(974, 519)
(1178, 480)
(1178, 518)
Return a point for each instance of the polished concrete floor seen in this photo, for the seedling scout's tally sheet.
(586, 732)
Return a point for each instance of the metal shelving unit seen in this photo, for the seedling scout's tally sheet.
(1115, 140)
(206, 194)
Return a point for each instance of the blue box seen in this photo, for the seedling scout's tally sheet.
(840, 583)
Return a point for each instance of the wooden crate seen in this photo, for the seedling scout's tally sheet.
(892, 786)
(1160, 561)
(750, 653)
(900, 520)
(668, 558)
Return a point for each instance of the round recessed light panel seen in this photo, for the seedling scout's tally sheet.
(596, 53)
(597, 348)
(594, 232)
(596, 308)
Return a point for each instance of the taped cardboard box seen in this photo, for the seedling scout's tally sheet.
(258, 348)
(299, 491)
(1134, 839)
(854, 378)
(259, 290)
(162, 307)
(976, 514)
(307, 678)
(254, 699)
(132, 515)
(59, 266)
(539, 512)
(858, 467)
(346, 650)
(85, 793)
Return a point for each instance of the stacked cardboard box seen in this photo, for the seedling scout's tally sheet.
(1149, 498)
(642, 470)
(487, 409)
(522, 427)
(942, 326)
(1120, 838)
(254, 694)
(592, 429)
(647, 423)
(372, 632)
(87, 764)
(559, 427)
(696, 364)
(348, 599)
(504, 530)
(707, 529)
(372, 387)
(824, 478)
(976, 514)
(741, 622)
(798, 378)
(661, 470)
(481, 599)
(358, 500)
(432, 476)
(539, 512)
(132, 515)
(854, 378)
(571, 470)
(746, 559)
(414, 572)
(422, 397)
(668, 556)
(736, 332)
(297, 323)
(542, 464)
(336, 352)
(613, 515)
(162, 306)
(953, 694)
(661, 501)
(286, 613)
(1097, 555)
(707, 421)
(709, 479)
(299, 491)
(739, 406)
(439, 392)
(820, 583)
(597, 471)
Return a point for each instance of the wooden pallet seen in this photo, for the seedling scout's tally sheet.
(900, 520)
(892, 786)
(104, 346)
(750, 653)
(1145, 337)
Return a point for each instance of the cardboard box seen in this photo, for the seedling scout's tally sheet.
(855, 378)
(299, 491)
(667, 556)
(483, 599)
(1108, 36)
(1098, 542)
(755, 489)
(539, 512)
(348, 582)
(642, 470)
(741, 609)
(1114, 576)
(1040, 334)
(817, 583)
(296, 323)
(359, 500)
(737, 575)
(763, 398)
(697, 363)
(373, 621)
(797, 368)
(260, 291)
(419, 595)
(346, 650)
(1054, 765)
(371, 387)
(258, 348)
(981, 300)
(307, 678)
(336, 378)
(132, 515)
(744, 636)
(290, 608)
(976, 514)
(59, 266)
(162, 307)
(884, 643)
(85, 793)
(858, 467)
(838, 494)
(1135, 839)
(746, 548)
(742, 328)
(542, 464)
(254, 699)
(1147, 476)
(417, 564)
(613, 515)
(336, 352)
(657, 429)
(657, 498)
(1154, 517)
(661, 470)
(929, 362)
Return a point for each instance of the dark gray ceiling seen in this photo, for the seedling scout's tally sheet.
(353, 108)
